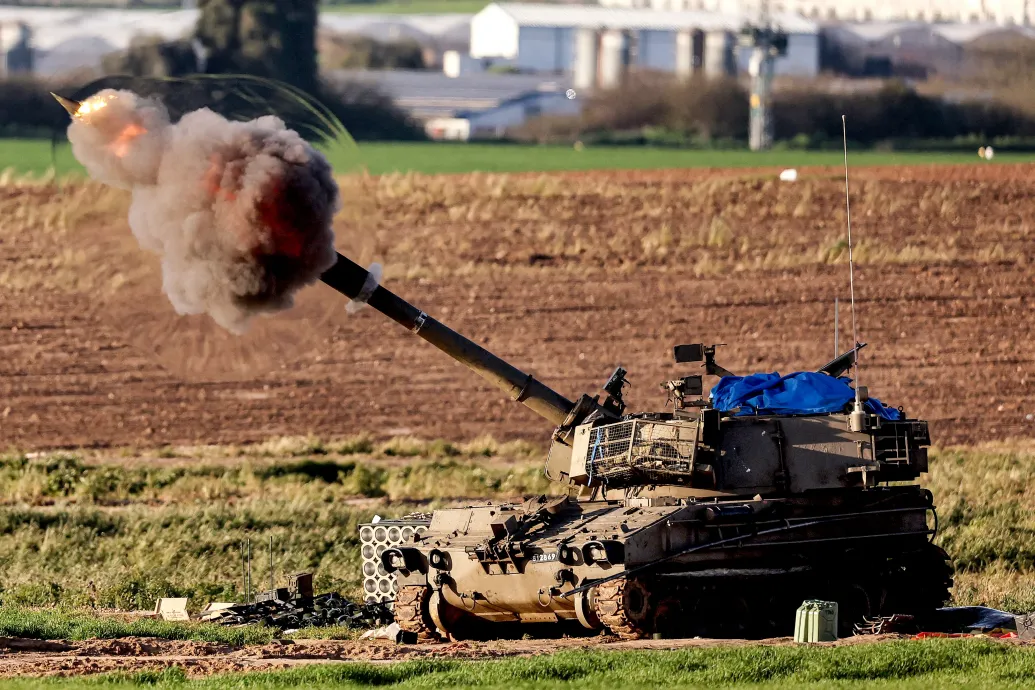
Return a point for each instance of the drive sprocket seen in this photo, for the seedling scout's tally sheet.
(624, 607)
(919, 581)
(411, 612)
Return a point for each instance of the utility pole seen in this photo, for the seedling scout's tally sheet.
(767, 43)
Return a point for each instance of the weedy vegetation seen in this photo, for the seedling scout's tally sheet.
(58, 624)
(118, 529)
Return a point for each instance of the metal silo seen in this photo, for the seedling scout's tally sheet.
(614, 58)
(586, 57)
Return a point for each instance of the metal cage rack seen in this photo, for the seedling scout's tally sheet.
(374, 538)
(641, 452)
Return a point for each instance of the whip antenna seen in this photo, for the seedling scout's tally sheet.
(837, 347)
(851, 262)
(857, 419)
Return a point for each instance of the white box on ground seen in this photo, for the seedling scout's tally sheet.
(172, 609)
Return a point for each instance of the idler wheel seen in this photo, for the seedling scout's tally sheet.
(585, 609)
(453, 623)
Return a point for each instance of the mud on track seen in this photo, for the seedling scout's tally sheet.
(567, 276)
(20, 657)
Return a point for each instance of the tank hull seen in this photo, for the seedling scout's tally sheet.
(637, 568)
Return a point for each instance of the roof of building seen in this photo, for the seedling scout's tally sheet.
(439, 26)
(594, 16)
(957, 33)
(528, 97)
(92, 32)
(967, 33)
(52, 27)
(433, 94)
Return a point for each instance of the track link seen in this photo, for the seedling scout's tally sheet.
(411, 612)
(610, 607)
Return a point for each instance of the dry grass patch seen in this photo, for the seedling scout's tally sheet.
(422, 226)
(138, 526)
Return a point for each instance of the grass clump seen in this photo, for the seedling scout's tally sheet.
(355, 467)
(60, 624)
(404, 447)
(441, 478)
(330, 632)
(96, 529)
(986, 508)
(357, 445)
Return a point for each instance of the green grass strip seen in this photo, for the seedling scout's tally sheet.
(900, 664)
(57, 624)
(34, 156)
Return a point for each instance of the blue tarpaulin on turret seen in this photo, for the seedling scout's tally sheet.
(803, 392)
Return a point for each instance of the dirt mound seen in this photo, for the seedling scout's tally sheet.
(149, 646)
(35, 658)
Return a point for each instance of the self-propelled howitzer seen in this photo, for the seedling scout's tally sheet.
(698, 520)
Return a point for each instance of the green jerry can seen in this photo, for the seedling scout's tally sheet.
(816, 621)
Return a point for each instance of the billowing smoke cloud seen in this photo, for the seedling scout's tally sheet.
(239, 212)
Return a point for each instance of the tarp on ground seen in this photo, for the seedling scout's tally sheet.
(803, 392)
(955, 620)
(968, 619)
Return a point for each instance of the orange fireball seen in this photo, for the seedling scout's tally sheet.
(122, 142)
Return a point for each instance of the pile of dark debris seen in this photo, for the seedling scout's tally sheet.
(295, 607)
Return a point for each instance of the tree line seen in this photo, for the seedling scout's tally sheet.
(271, 39)
(658, 108)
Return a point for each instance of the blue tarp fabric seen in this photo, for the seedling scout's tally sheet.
(970, 618)
(803, 392)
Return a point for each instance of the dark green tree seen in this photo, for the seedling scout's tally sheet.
(275, 39)
(269, 38)
(151, 56)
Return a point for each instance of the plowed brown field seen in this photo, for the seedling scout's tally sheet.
(567, 276)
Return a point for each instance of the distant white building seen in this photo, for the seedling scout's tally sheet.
(470, 105)
(497, 121)
(593, 43)
(968, 11)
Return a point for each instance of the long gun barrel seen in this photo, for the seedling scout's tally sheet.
(348, 278)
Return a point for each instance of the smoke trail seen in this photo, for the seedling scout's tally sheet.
(239, 212)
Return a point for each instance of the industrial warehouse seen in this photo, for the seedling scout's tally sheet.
(596, 44)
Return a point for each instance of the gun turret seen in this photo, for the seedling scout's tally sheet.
(349, 279)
